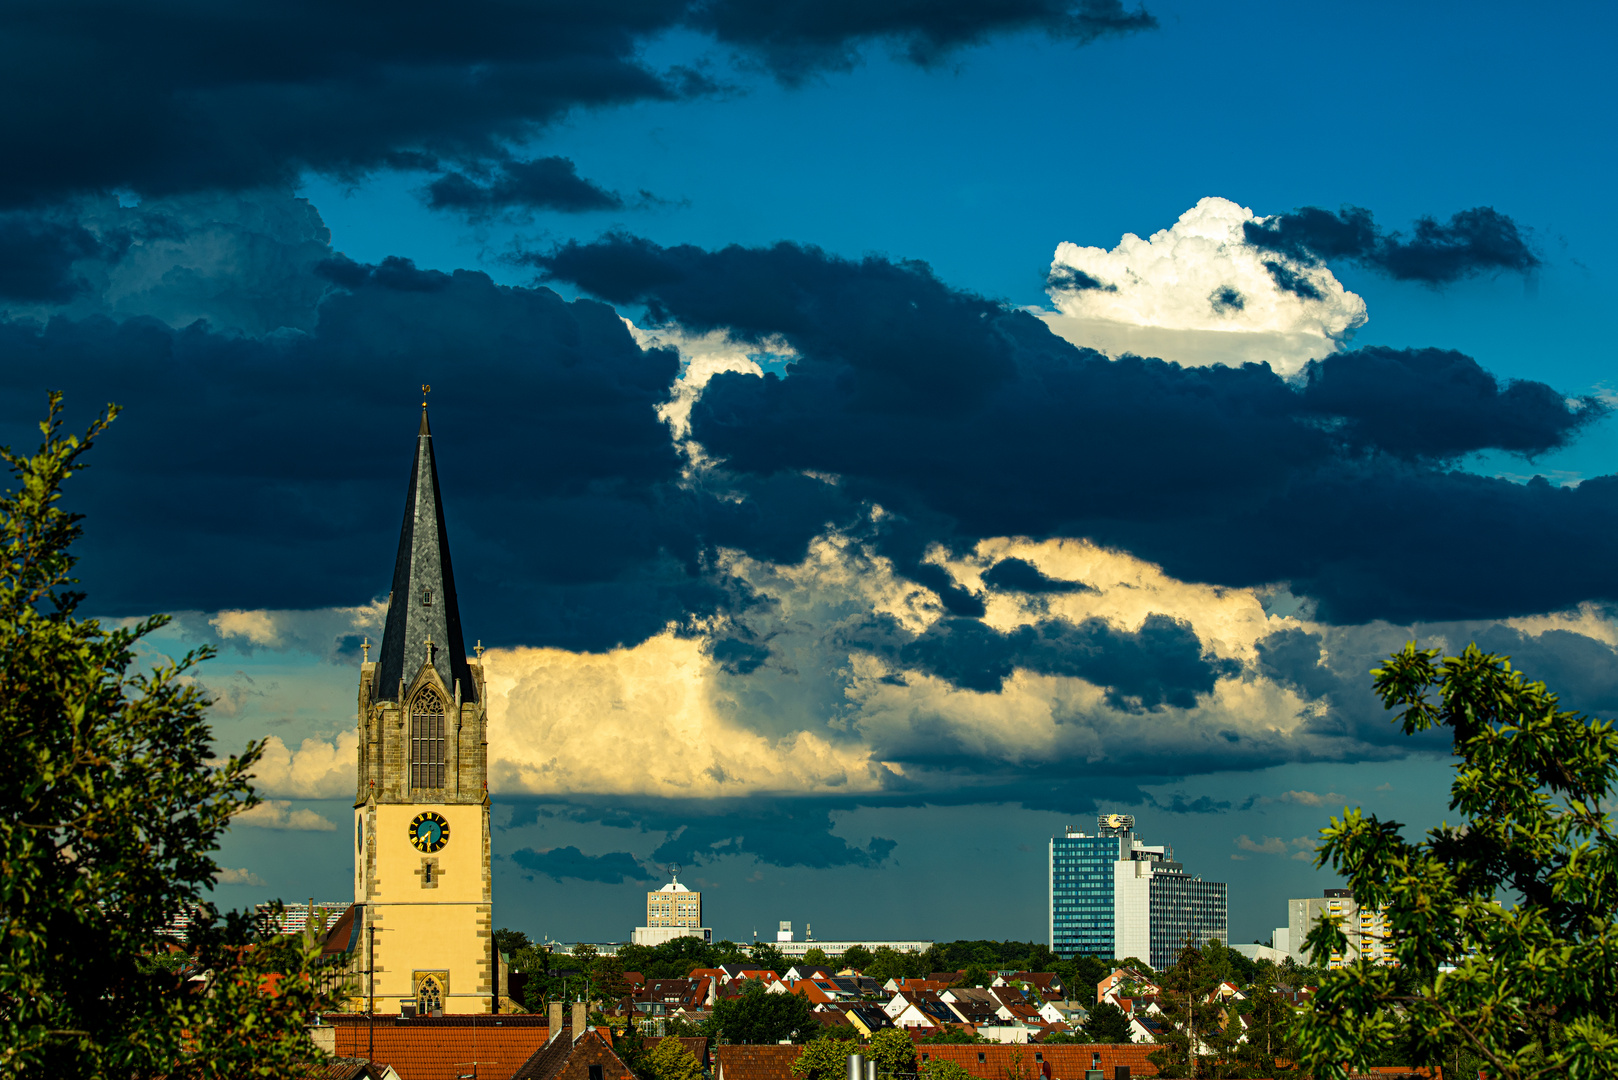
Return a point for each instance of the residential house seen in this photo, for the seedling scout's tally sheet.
(926, 1016)
(867, 1019)
(819, 991)
(1124, 982)
(1048, 984)
(807, 971)
(734, 972)
(1146, 1029)
(903, 1000)
(900, 984)
(588, 1057)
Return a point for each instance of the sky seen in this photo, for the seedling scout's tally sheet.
(873, 436)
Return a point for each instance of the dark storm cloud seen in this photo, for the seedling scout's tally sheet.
(271, 472)
(1581, 669)
(37, 257)
(1019, 575)
(781, 832)
(1160, 664)
(1472, 242)
(1072, 279)
(242, 261)
(549, 183)
(946, 407)
(1434, 403)
(165, 97)
(613, 868)
(795, 40)
(1202, 804)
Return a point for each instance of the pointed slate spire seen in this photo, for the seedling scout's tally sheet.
(422, 607)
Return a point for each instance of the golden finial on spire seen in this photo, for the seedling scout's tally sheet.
(425, 390)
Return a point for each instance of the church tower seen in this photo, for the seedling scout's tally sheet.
(421, 813)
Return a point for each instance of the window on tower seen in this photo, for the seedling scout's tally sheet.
(427, 739)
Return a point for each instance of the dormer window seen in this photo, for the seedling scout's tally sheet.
(426, 596)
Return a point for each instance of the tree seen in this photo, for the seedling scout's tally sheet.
(893, 1052)
(1106, 1024)
(944, 1069)
(1082, 974)
(1040, 958)
(1193, 1027)
(1268, 1049)
(816, 957)
(1057, 1038)
(630, 1046)
(756, 1016)
(510, 942)
(858, 957)
(825, 1059)
(1532, 991)
(765, 955)
(669, 1060)
(888, 963)
(110, 810)
(607, 980)
(975, 975)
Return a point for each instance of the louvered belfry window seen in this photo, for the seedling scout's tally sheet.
(427, 739)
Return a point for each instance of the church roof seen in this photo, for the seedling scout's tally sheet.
(423, 605)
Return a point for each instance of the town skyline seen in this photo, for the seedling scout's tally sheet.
(864, 456)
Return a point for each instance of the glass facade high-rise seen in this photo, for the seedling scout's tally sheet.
(1081, 889)
(1115, 897)
(1184, 908)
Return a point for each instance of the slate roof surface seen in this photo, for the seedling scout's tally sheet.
(423, 603)
(440, 1047)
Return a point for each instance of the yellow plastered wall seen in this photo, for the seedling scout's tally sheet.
(441, 926)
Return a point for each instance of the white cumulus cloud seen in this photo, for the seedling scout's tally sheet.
(316, 770)
(702, 356)
(656, 719)
(1198, 293)
(243, 876)
(321, 632)
(278, 814)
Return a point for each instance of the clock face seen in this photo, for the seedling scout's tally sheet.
(429, 832)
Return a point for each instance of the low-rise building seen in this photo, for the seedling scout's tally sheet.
(1369, 933)
(672, 911)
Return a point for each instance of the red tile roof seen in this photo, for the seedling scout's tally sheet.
(565, 1059)
(440, 1047)
(1067, 1061)
(756, 1062)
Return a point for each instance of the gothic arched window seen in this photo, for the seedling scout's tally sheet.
(429, 995)
(426, 739)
